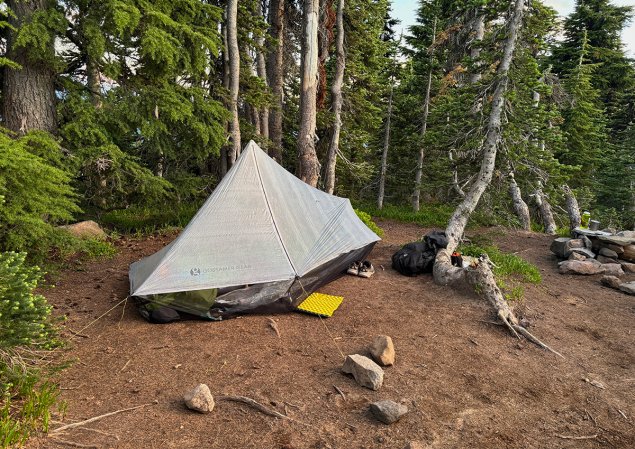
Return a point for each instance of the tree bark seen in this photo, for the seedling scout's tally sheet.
(275, 76)
(336, 93)
(261, 69)
(234, 78)
(416, 195)
(520, 206)
(384, 154)
(28, 92)
(573, 210)
(545, 210)
(478, 29)
(308, 164)
(93, 78)
(444, 272)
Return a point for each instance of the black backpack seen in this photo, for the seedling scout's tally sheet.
(418, 257)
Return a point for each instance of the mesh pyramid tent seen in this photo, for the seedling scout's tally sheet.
(264, 240)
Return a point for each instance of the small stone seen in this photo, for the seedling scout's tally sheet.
(588, 244)
(584, 251)
(388, 412)
(628, 287)
(613, 269)
(414, 445)
(629, 253)
(606, 252)
(586, 267)
(383, 350)
(627, 266)
(200, 399)
(611, 281)
(603, 259)
(618, 249)
(577, 256)
(366, 372)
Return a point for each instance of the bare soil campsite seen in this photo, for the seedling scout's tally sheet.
(465, 381)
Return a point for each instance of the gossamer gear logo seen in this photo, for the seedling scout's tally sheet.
(198, 271)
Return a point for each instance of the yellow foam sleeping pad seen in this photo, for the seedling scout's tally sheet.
(320, 304)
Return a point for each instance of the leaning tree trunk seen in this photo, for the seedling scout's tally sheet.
(336, 93)
(384, 154)
(308, 164)
(481, 276)
(416, 195)
(520, 207)
(573, 210)
(275, 76)
(28, 92)
(261, 69)
(234, 78)
(545, 210)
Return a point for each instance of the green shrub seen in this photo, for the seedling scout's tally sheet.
(25, 317)
(368, 221)
(35, 193)
(146, 220)
(428, 215)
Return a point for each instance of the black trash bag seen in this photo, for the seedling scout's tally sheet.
(418, 257)
(159, 315)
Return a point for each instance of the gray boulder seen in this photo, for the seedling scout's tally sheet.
(616, 240)
(586, 267)
(628, 287)
(366, 372)
(560, 247)
(588, 244)
(603, 259)
(388, 412)
(611, 281)
(576, 256)
(584, 251)
(613, 269)
(383, 350)
(628, 267)
(606, 252)
(200, 399)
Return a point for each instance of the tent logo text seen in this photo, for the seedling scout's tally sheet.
(198, 271)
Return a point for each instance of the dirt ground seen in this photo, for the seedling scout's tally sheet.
(467, 383)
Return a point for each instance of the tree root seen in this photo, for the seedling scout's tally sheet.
(96, 418)
(484, 283)
(258, 406)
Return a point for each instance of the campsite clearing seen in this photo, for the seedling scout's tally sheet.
(466, 383)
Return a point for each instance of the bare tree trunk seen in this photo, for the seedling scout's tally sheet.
(276, 76)
(384, 154)
(444, 272)
(424, 127)
(545, 210)
(308, 164)
(261, 68)
(234, 78)
(520, 206)
(336, 93)
(478, 29)
(455, 175)
(28, 92)
(573, 210)
(93, 79)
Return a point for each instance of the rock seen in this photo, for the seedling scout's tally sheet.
(577, 256)
(85, 229)
(366, 372)
(628, 287)
(560, 247)
(383, 350)
(388, 412)
(606, 252)
(603, 259)
(612, 269)
(627, 234)
(616, 240)
(618, 249)
(584, 251)
(629, 253)
(414, 445)
(588, 244)
(200, 399)
(627, 266)
(586, 267)
(611, 281)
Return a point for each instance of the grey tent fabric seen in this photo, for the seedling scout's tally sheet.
(261, 227)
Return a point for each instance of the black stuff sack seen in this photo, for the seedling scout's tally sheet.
(418, 257)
